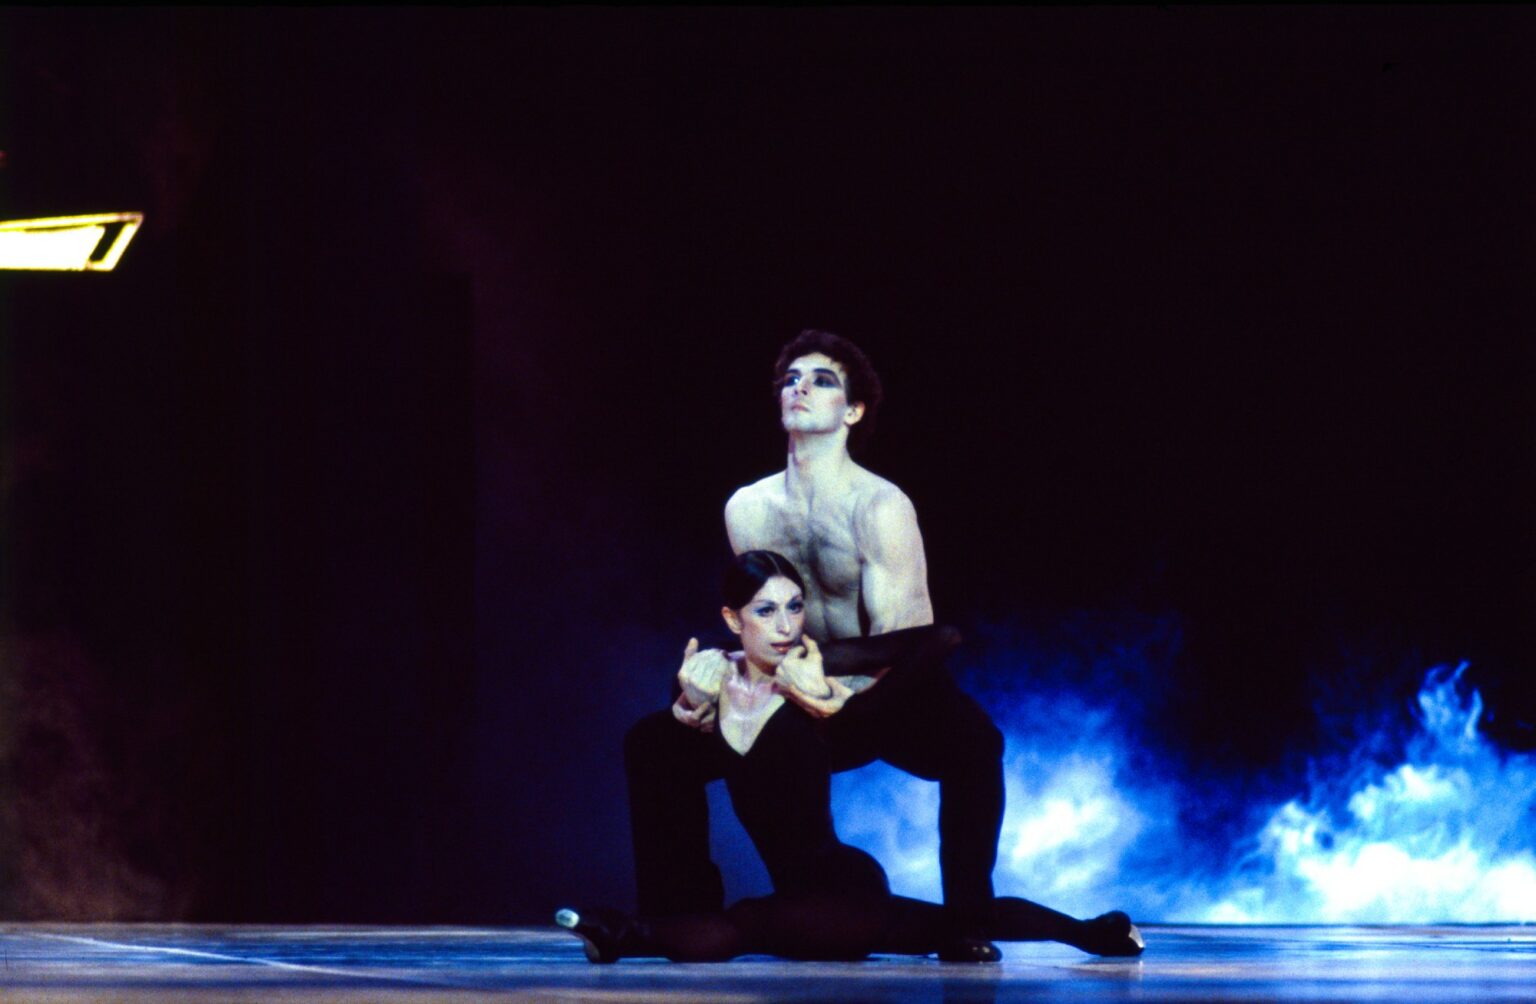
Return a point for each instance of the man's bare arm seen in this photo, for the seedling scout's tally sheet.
(895, 570)
(743, 520)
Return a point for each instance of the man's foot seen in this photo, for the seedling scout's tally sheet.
(970, 949)
(1111, 934)
(602, 932)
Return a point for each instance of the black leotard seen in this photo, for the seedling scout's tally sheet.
(830, 900)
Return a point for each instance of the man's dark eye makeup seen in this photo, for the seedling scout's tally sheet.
(823, 379)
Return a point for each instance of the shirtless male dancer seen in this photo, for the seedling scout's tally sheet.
(854, 537)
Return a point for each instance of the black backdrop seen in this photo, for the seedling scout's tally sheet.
(349, 521)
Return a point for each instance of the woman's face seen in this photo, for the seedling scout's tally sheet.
(770, 625)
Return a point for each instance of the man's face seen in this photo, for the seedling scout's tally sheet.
(813, 396)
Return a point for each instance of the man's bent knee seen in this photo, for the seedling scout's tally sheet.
(977, 740)
(990, 741)
(649, 734)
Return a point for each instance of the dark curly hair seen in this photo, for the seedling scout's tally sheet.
(863, 382)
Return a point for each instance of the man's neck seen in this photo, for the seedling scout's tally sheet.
(816, 462)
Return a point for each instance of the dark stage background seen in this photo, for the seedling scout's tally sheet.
(352, 519)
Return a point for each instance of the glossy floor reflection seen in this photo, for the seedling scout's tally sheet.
(133, 963)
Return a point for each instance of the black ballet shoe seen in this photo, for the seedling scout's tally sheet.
(1112, 934)
(602, 932)
(967, 949)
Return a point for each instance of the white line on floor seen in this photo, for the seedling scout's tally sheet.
(295, 966)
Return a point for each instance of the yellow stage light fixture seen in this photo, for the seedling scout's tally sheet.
(68, 243)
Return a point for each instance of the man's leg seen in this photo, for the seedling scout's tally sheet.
(932, 729)
(668, 765)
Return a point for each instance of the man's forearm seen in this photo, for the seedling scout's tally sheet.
(914, 613)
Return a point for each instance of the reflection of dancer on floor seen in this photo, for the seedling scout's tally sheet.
(830, 900)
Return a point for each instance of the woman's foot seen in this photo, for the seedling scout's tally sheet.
(602, 932)
(1110, 934)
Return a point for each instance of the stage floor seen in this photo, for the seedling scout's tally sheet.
(133, 963)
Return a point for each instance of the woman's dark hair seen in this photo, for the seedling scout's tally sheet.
(747, 572)
(863, 382)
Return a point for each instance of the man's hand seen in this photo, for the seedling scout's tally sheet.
(800, 679)
(700, 677)
(701, 718)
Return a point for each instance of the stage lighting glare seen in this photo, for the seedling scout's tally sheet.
(67, 243)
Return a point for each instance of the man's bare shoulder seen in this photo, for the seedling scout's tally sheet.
(761, 489)
(751, 506)
(876, 493)
(758, 495)
(882, 507)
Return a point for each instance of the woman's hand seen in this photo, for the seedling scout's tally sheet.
(700, 677)
(800, 679)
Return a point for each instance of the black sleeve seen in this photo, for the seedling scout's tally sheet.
(903, 651)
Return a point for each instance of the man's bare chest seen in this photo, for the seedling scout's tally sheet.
(821, 543)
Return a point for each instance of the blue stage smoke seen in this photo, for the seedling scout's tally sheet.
(1439, 830)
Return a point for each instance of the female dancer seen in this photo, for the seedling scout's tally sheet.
(830, 901)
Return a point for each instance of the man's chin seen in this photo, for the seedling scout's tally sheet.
(802, 424)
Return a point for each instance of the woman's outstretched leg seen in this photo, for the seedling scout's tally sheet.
(915, 927)
(831, 927)
(611, 935)
(1112, 933)
(705, 937)
(825, 926)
